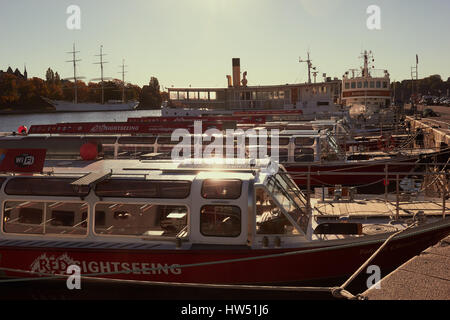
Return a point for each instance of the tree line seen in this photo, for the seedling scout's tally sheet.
(432, 85)
(19, 92)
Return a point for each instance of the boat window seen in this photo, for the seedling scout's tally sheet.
(173, 95)
(378, 84)
(366, 84)
(220, 221)
(282, 141)
(23, 217)
(221, 189)
(269, 217)
(304, 141)
(45, 187)
(290, 198)
(193, 95)
(359, 84)
(143, 219)
(66, 218)
(385, 84)
(137, 140)
(62, 218)
(212, 95)
(372, 84)
(283, 154)
(127, 188)
(347, 85)
(303, 155)
(353, 85)
(133, 152)
(168, 140)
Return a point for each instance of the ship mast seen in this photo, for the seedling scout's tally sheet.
(310, 66)
(123, 66)
(101, 55)
(74, 61)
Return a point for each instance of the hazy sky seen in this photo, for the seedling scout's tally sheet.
(192, 42)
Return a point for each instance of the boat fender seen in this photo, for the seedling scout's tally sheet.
(23, 130)
(89, 151)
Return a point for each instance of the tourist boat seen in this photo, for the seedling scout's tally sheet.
(188, 223)
(311, 149)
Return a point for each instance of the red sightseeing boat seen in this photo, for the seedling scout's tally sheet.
(188, 223)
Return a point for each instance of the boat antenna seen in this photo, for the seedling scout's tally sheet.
(368, 60)
(75, 78)
(310, 66)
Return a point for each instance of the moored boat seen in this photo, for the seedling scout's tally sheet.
(184, 222)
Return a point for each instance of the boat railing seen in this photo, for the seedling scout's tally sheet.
(430, 181)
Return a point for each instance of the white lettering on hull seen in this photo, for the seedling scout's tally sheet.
(58, 265)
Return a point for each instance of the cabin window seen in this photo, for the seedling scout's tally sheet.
(212, 95)
(193, 95)
(220, 221)
(366, 84)
(353, 85)
(221, 189)
(304, 155)
(359, 84)
(137, 140)
(133, 152)
(173, 95)
(347, 85)
(282, 141)
(182, 95)
(203, 95)
(385, 85)
(304, 141)
(62, 218)
(126, 188)
(168, 140)
(378, 84)
(142, 219)
(45, 187)
(269, 218)
(283, 154)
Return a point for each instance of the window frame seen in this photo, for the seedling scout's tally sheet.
(208, 198)
(220, 236)
(138, 203)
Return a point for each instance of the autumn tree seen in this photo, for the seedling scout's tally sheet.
(150, 97)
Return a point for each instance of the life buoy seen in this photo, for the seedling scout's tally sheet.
(89, 151)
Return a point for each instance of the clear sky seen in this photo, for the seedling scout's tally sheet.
(192, 42)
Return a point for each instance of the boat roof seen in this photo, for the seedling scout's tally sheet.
(190, 169)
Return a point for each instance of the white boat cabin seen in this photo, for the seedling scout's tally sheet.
(173, 205)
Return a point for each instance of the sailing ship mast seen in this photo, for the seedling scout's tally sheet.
(75, 78)
(101, 55)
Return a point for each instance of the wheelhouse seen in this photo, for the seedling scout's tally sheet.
(157, 202)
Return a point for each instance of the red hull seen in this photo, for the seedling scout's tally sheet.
(326, 263)
(319, 176)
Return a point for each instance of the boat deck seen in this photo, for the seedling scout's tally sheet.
(371, 206)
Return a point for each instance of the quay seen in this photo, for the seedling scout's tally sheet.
(424, 277)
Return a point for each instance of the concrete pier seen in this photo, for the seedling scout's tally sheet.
(424, 277)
